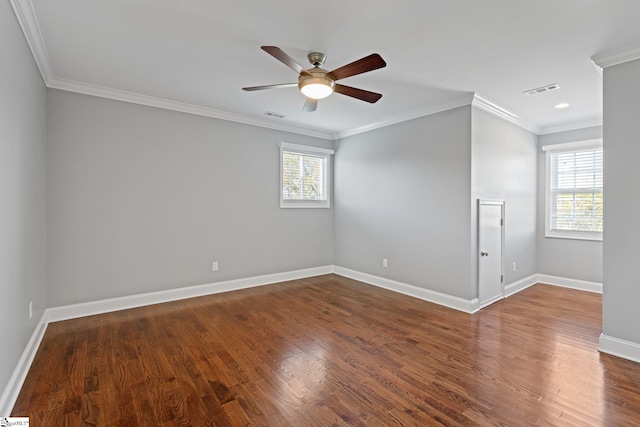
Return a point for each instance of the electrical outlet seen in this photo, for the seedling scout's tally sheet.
(30, 309)
(385, 264)
(514, 266)
(214, 266)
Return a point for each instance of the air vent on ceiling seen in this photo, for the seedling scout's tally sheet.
(542, 89)
(277, 115)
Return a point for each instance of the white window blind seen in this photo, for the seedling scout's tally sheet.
(575, 192)
(304, 176)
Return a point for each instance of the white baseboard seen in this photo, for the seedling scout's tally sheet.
(490, 301)
(520, 285)
(13, 387)
(461, 304)
(620, 348)
(55, 314)
(73, 311)
(581, 285)
(468, 306)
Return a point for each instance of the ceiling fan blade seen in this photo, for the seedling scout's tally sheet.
(281, 56)
(310, 105)
(361, 94)
(368, 63)
(252, 88)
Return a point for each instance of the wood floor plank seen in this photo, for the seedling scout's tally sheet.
(333, 351)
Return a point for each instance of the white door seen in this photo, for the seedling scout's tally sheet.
(490, 238)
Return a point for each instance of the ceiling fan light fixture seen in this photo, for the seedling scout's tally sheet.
(316, 87)
(316, 83)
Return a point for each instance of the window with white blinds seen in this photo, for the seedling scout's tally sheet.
(574, 205)
(304, 176)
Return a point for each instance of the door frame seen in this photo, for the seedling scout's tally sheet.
(500, 203)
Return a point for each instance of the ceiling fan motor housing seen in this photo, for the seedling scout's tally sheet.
(316, 58)
(316, 75)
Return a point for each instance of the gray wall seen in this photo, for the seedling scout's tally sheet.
(143, 199)
(22, 193)
(403, 193)
(570, 258)
(504, 168)
(621, 252)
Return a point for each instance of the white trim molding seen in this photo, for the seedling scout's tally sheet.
(13, 387)
(28, 21)
(545, 279)
(587, 123)
(73, 311)
(617, 347)
(305, 148)
(574, 145)
(29, 24)
(460, 304)
(580, 285)
(55, 314)
(494, 109)
(520, 285)
(618, 56)
(31, 29)
(182, 107)
(490, 301)
(456, 102)
(621, 348)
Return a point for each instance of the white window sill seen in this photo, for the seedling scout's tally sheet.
(597, 237)
(305, 207)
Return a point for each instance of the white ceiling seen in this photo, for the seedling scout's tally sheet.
(196, 55)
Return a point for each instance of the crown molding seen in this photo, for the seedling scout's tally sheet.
(459, 101)
(492, 108)
(31, 29)
(618, 56)
(28, 21)
(151, 101)
(588, 123)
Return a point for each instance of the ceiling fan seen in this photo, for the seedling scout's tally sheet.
(316, 83)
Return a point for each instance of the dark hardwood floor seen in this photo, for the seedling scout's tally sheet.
(331, 351)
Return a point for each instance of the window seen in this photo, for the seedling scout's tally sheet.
(574, 190)
(304, 176)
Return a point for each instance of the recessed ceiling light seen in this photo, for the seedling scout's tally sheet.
(562, 105)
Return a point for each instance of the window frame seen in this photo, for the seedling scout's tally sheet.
(310, 151)
(565, 148)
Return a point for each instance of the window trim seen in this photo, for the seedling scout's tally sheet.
(314, 151)
(561, 148)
